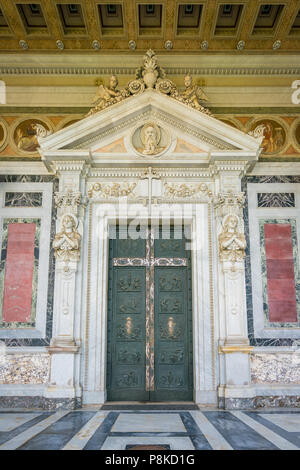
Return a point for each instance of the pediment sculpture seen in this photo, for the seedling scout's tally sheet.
(150, 76)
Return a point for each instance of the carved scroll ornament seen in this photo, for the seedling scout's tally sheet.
(150, 76)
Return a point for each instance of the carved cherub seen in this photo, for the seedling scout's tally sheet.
(193, 93)
(232, 243)
(107, 95)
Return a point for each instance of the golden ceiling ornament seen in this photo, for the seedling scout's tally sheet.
(150, 76)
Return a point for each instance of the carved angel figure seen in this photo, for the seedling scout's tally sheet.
(193, 94)
(232, 243)
(108, 95)
(66, 243)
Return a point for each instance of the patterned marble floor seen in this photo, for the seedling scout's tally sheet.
(93, 429)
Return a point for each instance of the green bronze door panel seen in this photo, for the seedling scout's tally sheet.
(126, 323)
(173, 344)
(127, 332)
(149, 320)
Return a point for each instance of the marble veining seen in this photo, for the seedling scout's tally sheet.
(26, 199)
(91, 429)
(292, 223)
(275, 368)
(24, 369)
(255, 341)
(6, 222)
(20, 342)
(275, 199)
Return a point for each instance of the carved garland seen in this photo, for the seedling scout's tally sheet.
(111, 190)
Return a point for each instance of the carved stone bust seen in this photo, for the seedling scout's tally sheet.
(232, 243)
(66, 243)
(148, 139)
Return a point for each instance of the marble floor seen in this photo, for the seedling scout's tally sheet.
(94, 429)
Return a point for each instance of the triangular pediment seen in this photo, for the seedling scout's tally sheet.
(113, 132)
(150, 120)
(117, 146)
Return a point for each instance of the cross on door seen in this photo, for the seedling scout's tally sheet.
(149, 261)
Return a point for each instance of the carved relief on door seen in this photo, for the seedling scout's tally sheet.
(149, 320)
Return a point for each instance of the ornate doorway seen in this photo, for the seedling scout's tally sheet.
(150, 352)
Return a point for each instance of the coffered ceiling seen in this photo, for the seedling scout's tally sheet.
(206, 26)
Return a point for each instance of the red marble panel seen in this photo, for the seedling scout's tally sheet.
(19, 273)
(280, 273)
(279, 248)
(282, 311)
(280, 269)
(277, 231)
(282, 289)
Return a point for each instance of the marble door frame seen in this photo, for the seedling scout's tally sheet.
(95, 298)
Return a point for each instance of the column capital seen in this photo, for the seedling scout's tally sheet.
(229, 202)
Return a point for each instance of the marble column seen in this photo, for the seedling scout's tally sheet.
(67, 247)
(234, 349)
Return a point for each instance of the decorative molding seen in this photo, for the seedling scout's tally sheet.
(240, 166)
(139, 172)
(159, 116)
(259, 341)
(5, 128)
(235, 349)
(70, 165)
(32, 341)
(188, 130)
(183, 190)
(150, 76)
(229, 203)
(114, 190)
(88, 298)
(211, 295)
(153, 115)
(67, 199)
(16, 70)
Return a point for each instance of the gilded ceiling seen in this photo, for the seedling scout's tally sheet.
(135, 25)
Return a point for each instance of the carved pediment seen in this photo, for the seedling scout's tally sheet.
(155, 123)
(150, 76)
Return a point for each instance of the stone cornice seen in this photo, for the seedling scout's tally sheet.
(236, 166)
(138, 172)
(74, 165)
(10, 70)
